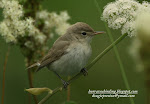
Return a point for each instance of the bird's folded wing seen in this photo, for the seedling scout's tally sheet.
(56, 52)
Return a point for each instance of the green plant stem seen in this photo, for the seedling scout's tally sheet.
(116, 53)
(4, 70)
(87, 67)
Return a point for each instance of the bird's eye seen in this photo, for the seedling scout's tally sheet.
(83, 33)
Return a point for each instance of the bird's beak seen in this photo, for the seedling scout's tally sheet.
(99, 32)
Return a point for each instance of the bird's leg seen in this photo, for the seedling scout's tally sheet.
(84, 71)
(65, 83)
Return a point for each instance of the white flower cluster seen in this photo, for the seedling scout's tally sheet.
(12, 26)
(122, 14)
(30, 32)
(15, 26)
(54, 20)
(11, 9)
(140, 47)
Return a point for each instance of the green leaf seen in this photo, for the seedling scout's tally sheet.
(38, 91)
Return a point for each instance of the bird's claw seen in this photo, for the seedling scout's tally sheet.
(84, 71)
(65, 84)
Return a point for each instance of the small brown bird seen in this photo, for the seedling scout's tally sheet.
(70, 52)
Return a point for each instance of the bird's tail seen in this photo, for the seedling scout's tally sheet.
(34, 65)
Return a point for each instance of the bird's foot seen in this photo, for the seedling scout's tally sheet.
(65, 84)
(84, 71)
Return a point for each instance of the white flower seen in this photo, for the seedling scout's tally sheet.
(42, 14)
(64, 16)
(29, 24)
(60, 22)
(117, 23)
(10, 38)
(12, 26)
(12, 9)
(54, 20)
(129, 28)
(146, 4)
(122, 14)
(40, 38)
(61, 29)
(6, 33)
(18, 28)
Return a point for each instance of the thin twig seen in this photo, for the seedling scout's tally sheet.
(30, 78)
(87, 67)
(4, 70)
(68, 90)
(116, 53)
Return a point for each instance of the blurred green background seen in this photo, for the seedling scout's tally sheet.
(105, 74)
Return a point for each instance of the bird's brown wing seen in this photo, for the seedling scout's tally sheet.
(56, 52)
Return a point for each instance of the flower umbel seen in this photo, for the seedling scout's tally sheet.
(122, 14)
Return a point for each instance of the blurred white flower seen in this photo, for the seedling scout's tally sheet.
(32, 33)
(54, 20)
(40, 38)
(146, 4)
(6, 32)
(12, 9)
(29, 25)
(12, 25)
(10, 38)
(60, 22)
(42, 14)
(61, 28)
(122, 14)
(64, 16)
(140, 46)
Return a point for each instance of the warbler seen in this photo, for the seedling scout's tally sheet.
(70, 52)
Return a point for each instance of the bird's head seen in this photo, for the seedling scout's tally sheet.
(82, 32)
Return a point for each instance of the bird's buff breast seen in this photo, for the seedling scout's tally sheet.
(72, 62)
